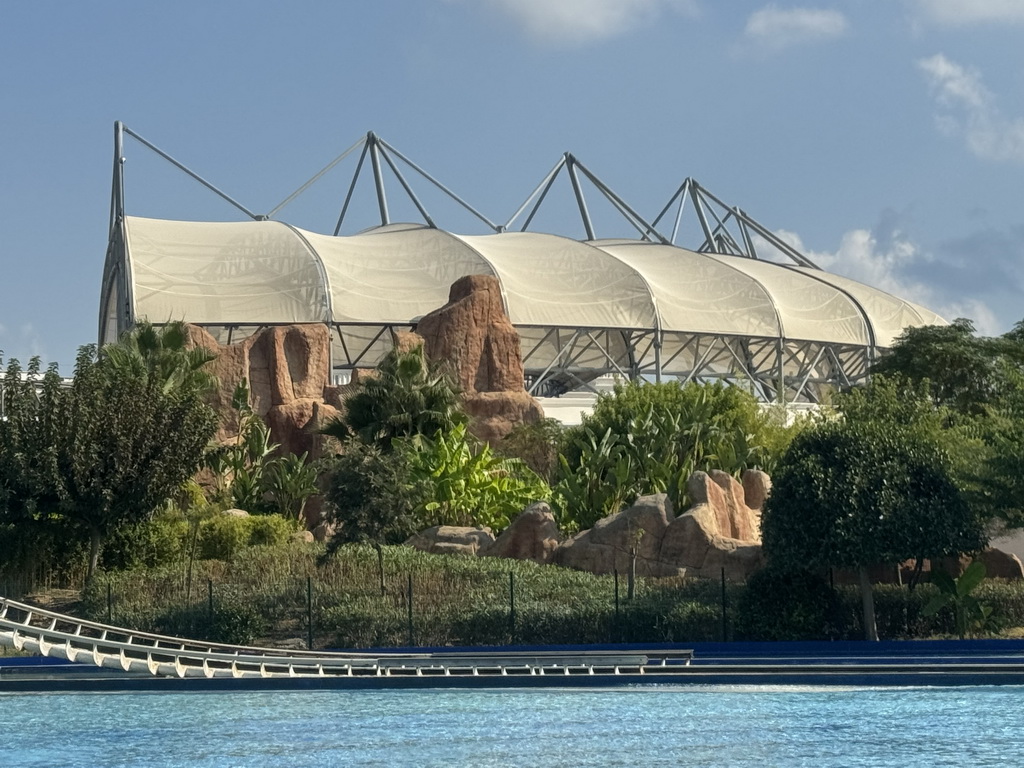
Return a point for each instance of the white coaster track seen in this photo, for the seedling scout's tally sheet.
(26, 628)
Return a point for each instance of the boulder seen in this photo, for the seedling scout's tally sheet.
(607, 546)
(303, 537)
(727, 499)
(495, 414)
(235, 513)
(451, 540)
(533, 535)
(1001, 565)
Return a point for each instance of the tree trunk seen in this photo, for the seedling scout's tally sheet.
(868, 600)
(95, 545)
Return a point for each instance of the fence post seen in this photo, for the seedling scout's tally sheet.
(512, 606)
(209, 606)
(409, 603)
(618, 625)
(309, 612)
(110, 603)
(725, 614)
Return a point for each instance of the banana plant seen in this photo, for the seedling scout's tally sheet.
(970, 615)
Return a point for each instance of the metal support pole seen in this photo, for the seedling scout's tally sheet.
(309, 612)
(378, 179)
(578, 191)
(209, 603)
(110, 604)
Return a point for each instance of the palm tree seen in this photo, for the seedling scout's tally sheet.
(161, 357)
(407, 397)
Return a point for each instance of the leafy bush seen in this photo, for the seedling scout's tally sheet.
(649, 438)
(371, 495)
(466, 483)
(787, 605)
(223, 536)
(149, 544)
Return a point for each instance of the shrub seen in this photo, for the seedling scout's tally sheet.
(787, 605)
(649, 438)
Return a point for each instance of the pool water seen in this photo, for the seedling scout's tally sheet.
(637, 727)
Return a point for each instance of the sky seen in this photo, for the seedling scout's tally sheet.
(884, 138)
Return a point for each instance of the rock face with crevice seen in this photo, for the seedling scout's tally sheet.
(287, 368)
(473, 334)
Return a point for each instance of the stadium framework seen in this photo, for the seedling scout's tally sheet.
(740, 305)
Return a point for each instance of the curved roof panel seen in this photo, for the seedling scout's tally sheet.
(392, 274)
(223, 272)
(696, 294)
(553, 281)
(264, 272)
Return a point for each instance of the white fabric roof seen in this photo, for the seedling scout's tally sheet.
(266, 272)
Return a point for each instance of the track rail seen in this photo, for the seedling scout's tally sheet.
(26, 628)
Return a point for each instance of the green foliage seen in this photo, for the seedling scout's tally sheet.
(160, 357)
(147, 544)
(248, 474)
(965, 372)
(288, 484)
(787, 604)
(854, 494)
(127, 444)
(537, 445)
(222, 537)
(407, 396)
(970, 615)
(649, 438)
(371, 495)
(978, 385)
(466, 483)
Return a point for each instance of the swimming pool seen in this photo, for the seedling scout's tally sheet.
(761, 726)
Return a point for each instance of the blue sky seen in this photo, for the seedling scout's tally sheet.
(886, 138)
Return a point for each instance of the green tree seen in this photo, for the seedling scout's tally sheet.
(854, 494)
(161, 357)
(965, 372)
(372, 496)
(407, 396)
(969, 613)
(125, 444)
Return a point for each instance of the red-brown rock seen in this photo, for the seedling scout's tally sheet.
(533, 535)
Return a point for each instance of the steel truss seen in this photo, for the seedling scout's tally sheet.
(556, 359)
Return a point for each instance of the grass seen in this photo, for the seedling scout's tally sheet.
(260, 596)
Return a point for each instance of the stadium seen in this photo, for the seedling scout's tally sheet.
(735, 303)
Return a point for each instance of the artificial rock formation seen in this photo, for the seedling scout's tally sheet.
(452, 540)
(721, 531)
(533, 535)
(473, 334)
(287, 371)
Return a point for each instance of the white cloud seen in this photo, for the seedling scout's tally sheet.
(573, 22)
(963, 12)
(888, 266)
(971, 111)
(774, 28)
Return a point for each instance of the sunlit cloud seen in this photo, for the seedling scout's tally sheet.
(891, 261)
(576, 22)
(773, 28)
(957, 13)
(968, 109)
